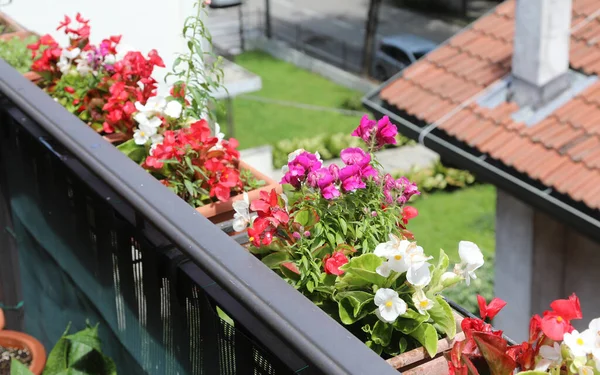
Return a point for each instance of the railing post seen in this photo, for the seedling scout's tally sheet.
(241, 22)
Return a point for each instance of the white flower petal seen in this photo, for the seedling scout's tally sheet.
(154, 123)
(383, 295)
(419, 276)
(384, 270)
(239, 223)
(173, 109)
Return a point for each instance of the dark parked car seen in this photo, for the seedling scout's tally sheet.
(224, 3)
(397, 52)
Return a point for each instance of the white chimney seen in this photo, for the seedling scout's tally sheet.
(541, 51)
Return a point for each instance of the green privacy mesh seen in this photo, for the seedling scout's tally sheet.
(82, 259)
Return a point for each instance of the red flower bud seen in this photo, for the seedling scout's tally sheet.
(69, 89)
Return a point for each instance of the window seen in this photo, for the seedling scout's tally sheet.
(395, 53)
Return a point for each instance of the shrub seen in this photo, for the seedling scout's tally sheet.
(14, 51)
(440, 177)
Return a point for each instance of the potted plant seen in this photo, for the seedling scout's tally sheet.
(339, 236)
(553, 347)
(170, 136)
(10, 29)
(94, 82)
(22, 348)
(78, 353)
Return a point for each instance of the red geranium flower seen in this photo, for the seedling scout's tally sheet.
(489, 311)
(557, 322)
(332, 263)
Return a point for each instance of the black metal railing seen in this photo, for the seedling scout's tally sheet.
(99, 239)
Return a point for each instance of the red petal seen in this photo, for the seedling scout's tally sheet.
(292, 267)
(569, 309)
(482, 306)
(555, 326)
(494, 307)
(493, 350)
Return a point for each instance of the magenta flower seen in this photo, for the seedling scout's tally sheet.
(298, 169)
(330, 192)
(335, 171)
(398, 191)
(355, 155)
(320, 178)
(364, 129)
(352, 183)
(385, 131)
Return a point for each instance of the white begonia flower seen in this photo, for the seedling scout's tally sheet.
(586, 370)
(594, 327)
(580, 344)
(389, 305)
(471, 259)
(551, 356)
(142, 134)
(155, 105)
(153, 122)
(395, 253)
(110, 59)
(422, 303)
(64, 65)
(242, 217)
(596, 354)
(83, 67)
(70, 54)
(173, 109)
(218, 133)
(419, 276)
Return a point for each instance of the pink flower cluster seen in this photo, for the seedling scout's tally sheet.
(376, 133)
(398, 191)
(300, 167)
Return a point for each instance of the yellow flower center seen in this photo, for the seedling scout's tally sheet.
(580, 341)
(398, 257)
(143, 134)
(424, 303)
(388, 304)
(559, 319)
(251, 239)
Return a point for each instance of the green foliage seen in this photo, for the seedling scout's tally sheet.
(439, 177)
(353, 103)
(199, 69)
(14, 51)
(79, 353)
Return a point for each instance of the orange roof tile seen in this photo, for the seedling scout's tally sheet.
(562, 151)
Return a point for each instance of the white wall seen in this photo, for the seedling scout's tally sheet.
(144, 24)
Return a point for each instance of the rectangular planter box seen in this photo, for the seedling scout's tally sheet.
(418, 362)
(219, 212)
(15, 30)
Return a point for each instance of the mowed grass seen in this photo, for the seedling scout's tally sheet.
(445, 218)
(258, 123)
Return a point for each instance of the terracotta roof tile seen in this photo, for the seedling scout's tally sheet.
(562, 151)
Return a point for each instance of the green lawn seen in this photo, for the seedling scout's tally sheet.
(447, 218)
(258, 123)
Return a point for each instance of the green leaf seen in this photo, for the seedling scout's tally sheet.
(134, 151)
(532, 372)
(275, 259)
(410, 321)
(427, 336)
(363, 267)
(343, 225)
(374, 347)
(289, 273)
(57, 359)
(331, 239)
(351, 305)
(382, 333)
(190, 187)
(307, 217)
(17, 368)
(442, 315)
(437, 272)
(403, 344)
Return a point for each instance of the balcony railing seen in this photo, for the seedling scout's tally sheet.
(97, 238)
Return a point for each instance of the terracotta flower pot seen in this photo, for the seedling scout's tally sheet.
(418, 362)
(2, 321)
(15, 29)
(14, 339)
(222, 211)
(33, 77)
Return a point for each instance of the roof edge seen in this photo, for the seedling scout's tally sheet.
(527, 192)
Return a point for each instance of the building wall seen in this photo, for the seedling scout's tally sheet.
(540, 259)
